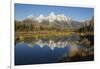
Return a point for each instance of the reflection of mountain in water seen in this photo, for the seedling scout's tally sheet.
(73, 43)
(58, 42)
(51, 44)
(73, 48)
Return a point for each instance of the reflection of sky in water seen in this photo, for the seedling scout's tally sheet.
(36, 54)
(45, 52)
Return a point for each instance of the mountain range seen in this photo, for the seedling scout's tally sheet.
(59, 21)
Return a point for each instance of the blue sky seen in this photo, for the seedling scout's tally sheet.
(76, 13)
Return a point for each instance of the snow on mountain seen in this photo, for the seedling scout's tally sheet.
(51, 17)
(59, 17)
(30, 17)
(57, 20)
(40, 18)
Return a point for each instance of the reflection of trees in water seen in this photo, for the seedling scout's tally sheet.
(46, 38)
(78, 46)
(83, 51)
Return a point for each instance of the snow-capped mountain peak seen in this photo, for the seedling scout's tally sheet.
(51, 17)
(40, 18)
(30, 17)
